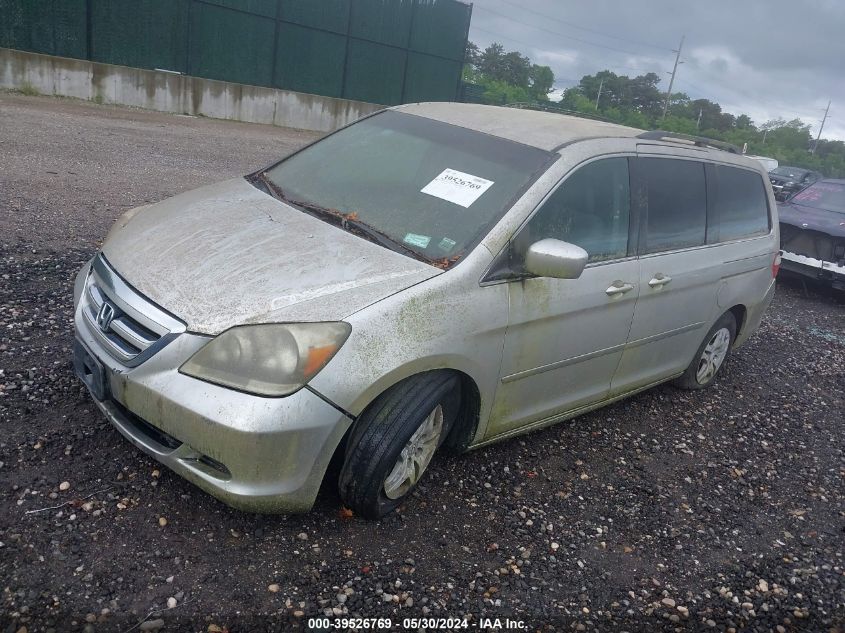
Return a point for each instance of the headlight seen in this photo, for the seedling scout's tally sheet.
(268, 360)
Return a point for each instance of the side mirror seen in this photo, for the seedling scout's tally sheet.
(556, 259)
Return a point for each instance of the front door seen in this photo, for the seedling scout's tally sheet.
(565, 337)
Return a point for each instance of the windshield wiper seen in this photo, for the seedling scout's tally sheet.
(346, 221)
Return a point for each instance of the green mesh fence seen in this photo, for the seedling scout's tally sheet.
(374, 72)
(310, 61)
(231, 45)
(330, 15)
(382, 51)
(430, 78)
(140, 33)
(382, 21)
(53, 27)
(441, 28)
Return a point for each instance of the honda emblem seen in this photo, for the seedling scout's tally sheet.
(105, 316)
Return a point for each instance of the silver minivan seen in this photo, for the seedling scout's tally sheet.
(433, 277)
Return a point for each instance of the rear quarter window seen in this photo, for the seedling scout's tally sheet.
(738, 205)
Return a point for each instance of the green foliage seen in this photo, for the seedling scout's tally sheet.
(542, 81)
(678, 124)
(28, 89)
(510, 77)
(507, 77)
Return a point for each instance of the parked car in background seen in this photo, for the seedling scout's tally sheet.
(787, 181)
(436, 274)
(812, 232)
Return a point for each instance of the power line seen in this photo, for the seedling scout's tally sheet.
(737, 108)
(558, 33)
(583, 28)
(534, 46)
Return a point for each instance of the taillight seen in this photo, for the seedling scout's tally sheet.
(776, 265)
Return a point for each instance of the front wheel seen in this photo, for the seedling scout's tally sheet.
(711, 355)
(394, 441)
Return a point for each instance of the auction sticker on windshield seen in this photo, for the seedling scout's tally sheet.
(417, 240)
(456, 186)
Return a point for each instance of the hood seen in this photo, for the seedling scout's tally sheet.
(229, 254)
(830, 222)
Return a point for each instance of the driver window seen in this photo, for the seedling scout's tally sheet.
(590, 209)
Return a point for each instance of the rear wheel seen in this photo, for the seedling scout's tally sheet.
(711, 355)
(394, 441)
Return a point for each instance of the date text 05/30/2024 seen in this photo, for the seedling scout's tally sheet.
(415, 624)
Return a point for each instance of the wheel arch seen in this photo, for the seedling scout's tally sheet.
(740, 314)
(465, 427)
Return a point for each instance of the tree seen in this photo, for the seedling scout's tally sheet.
(541, 82)
(512, 67)
(472, 54)
(712, 116)
(744, 122)
(645, 96)
(792, 135)
(491, 62)
(517, 69)
(509, 77)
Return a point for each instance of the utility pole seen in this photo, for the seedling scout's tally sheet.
(698, 122)
(601, 83)
(819, 135)
(672, 81)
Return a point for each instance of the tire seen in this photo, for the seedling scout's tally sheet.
(416, 414)
(710, 356)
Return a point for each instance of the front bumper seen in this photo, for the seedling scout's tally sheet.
(253, 453)
(818, 269)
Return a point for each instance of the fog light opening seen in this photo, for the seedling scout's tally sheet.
(209, 466)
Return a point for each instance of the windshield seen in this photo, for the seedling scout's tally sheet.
(430, 187)
(789, 172)
(829, 196)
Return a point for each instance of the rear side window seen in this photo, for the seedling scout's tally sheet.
(676, 202)
(738, 204)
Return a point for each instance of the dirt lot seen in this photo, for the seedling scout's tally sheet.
(672, 510)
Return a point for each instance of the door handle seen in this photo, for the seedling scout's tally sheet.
(619, 288)
(659, 280)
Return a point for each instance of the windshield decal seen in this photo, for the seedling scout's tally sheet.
(457, 187)
(446, 244)
(420, 241)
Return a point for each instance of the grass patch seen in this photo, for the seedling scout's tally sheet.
(28, 89)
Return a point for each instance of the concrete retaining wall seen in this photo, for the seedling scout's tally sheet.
(169, 92)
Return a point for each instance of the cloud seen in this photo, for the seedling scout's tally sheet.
(765, 58)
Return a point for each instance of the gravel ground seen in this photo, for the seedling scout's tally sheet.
(720, 509)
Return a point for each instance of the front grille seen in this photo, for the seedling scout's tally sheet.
(128, 326)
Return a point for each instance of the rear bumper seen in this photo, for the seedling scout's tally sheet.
(827, 272)
(255, 454)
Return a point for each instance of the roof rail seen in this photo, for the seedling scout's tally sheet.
(527, 105)
(698, 141)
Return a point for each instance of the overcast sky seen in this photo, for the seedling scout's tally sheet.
(764, 58)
